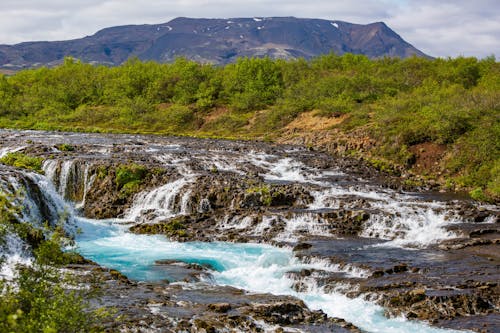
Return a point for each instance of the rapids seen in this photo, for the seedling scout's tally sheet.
(253, 267)
(391, 222)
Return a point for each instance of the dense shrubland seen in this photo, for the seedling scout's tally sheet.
(400, 104)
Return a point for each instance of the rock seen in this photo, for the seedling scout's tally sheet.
(377, 274)
(400, 268)
(302, 246)
(220, 307)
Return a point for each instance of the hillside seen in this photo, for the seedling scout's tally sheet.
(433, 122)
(217, 41)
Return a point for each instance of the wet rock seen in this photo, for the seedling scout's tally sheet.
(159, 307)
(400, 268)
(220, 307)
(302, 246)
(463, 243)
(285, 313)
(378, 274)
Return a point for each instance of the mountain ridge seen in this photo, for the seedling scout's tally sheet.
(218, 41)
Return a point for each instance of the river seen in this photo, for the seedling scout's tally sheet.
(290, 222)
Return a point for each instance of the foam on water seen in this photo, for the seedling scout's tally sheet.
(285, 169)
(410, 229)
(160, 201)
(393, 216)
(236, 222)
(5, 150)
(253, 267)
(13, 251)
(303, 224)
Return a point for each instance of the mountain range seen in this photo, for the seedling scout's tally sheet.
(217, 41)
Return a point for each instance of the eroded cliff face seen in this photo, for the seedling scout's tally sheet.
(426, 255)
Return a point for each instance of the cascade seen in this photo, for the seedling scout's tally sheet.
(160, 201)
(394, 221)
(253, 267)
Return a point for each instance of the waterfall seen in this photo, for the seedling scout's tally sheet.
(13, 252)
(159, 202)
(393, 216)
(39, 202)
(66, 167)
(5, 150)
(87, 183)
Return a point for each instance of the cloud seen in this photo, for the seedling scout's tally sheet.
(439, 28)
(450, 28)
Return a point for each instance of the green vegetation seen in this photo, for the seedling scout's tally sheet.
(38, 299)
(399, 104)
(20, 160)
(129, 178)
(270, 195)
(65, 147)
(174, 228)
(41, 304)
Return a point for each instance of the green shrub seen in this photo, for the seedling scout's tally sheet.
(130, 175)
(478, 194)
(20, 160)
(129, 178)
(177, 117)
(40, 303)
(41, 299)
(65, 147)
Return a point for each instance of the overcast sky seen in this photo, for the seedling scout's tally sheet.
(440, 28)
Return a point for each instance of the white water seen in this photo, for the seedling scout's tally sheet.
(253, 267)
(87, 183)
(13, 252)
(288, 169)
(396, 217)
(303, 224)
(5, 150)
(160, 202)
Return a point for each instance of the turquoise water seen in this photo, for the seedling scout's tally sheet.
(253, 267)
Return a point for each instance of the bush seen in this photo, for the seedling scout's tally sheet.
(40, 298)
(40, 303)
(65, 147)
(478, 194)
(20, 160)
(130, 173)
(129, 178)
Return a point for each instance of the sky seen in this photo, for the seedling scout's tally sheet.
(440, 28)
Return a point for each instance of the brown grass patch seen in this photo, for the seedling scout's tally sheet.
(308, 121)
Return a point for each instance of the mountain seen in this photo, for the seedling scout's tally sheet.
(216, 41)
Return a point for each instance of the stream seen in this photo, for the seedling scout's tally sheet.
(240, 239)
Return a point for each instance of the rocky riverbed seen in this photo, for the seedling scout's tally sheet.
(428, 256)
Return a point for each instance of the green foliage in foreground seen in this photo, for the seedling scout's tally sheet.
(41, 304)
(20, 160)
(400, 103)
(38, 299)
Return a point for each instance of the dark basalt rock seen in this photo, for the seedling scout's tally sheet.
(302, 246)
(145, 306)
